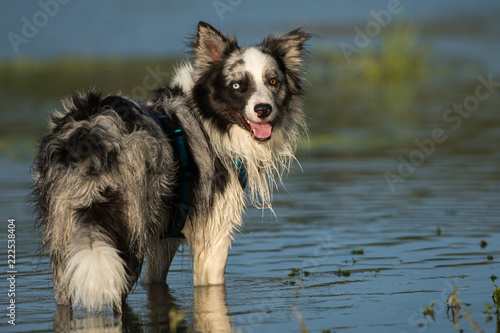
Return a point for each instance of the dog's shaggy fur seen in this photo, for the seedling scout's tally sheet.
(107, 175)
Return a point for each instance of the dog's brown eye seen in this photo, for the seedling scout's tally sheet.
(273, 82)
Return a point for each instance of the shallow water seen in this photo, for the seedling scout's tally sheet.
(326, 216)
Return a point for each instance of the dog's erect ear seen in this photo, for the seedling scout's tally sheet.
(210, 45)
(289, 47)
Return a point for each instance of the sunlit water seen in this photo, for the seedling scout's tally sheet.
(326, 216)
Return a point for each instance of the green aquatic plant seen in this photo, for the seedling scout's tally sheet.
(456, 305)
(429, 311)
(298, 272)
(176, 317)
(342, 273)
(489, 307)
(496, 298)
(360, 252)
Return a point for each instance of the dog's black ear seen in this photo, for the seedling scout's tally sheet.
(211, 45)
(289, 47)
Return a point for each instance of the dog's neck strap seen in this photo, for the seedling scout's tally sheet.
(186, 173)
(242, 169)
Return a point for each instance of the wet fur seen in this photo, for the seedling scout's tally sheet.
(106, 176)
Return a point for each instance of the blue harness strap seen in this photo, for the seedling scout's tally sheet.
(187, 174)
(240, 165)
(182, 209)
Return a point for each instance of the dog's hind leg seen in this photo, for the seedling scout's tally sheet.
(61, 290)
(158, 264)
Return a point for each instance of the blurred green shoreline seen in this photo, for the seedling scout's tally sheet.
(369, 100)
(31, 88)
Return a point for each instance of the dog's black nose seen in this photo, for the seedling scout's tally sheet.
(263, 110)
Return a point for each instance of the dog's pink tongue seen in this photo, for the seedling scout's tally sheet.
(261, 130)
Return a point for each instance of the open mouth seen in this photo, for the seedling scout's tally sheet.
(260, 131)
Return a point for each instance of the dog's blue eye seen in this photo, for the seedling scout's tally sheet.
(236, 86)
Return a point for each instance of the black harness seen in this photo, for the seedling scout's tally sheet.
(173, 130)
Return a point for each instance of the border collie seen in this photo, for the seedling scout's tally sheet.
(116, 180)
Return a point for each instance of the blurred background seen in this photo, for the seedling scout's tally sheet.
(378, 69)
(401, 168)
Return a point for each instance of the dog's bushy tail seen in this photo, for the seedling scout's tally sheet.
(80, 197)
(95, 272)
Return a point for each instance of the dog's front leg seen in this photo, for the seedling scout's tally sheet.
(209, 259)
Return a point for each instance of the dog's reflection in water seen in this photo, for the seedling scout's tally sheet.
(210, 310)
(210, 314)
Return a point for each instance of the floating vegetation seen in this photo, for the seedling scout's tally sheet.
(496, 298)
(489, 307)
(176, 318)
(438, 231)
(429, 311)
(298, 272)
(343, 273)
(360, 252)
(291, 283)
(456, 305)
(457, 310)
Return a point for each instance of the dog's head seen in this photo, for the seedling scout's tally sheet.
(255, 88)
